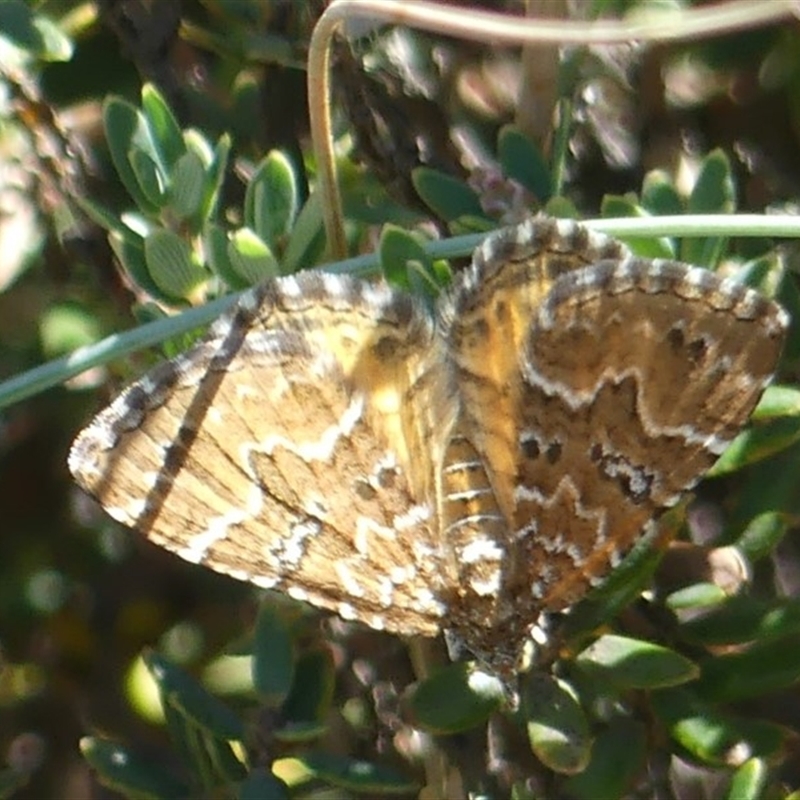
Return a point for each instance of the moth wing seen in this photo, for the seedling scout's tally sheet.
(278, 450)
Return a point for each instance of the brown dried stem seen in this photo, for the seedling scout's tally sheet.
(484, 26)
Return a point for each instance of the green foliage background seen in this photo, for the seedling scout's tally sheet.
(156, 156)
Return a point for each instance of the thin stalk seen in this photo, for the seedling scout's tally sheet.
(653, 25)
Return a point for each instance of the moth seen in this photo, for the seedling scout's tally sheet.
(463, 468)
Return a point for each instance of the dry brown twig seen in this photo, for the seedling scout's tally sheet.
(648, 26)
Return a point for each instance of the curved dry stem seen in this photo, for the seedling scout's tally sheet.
(485, 26)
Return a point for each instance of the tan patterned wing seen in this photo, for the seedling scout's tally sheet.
(636, 375)
(486, 320)
(285, 449)
(596, 388)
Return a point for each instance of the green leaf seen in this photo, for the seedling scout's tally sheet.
(396, 250)
(713, 193)
(448, 197)
(149, 177)
(129, 249)
(251, 257)
(756, 443)
(200, 145)
(126, 132)
(765, 667)
(64, 327)
(191, 699)
(561, 208)
(471, 223)
(187, 186)
(617, 205)
(618, 755)
(246, 100)
(216, 247)
(208, 757)
(742, 620)
(659, 195)
(295, 732)
(764, 274)
(170, 263)
(749, 781)
(308, 702)
(365, 199)
(789, 298)
(558, 730)
(762, 534)
(709, 735)
(224, 766)
(214, 177)
(456, 698)
(273, 657)
(644, 246)
(778, 401)
(522, 161)
(133, 776)
(696, 596)
(307, 240)
(406, 264)
(565, 115)
(182, 736)
(165, 132)
(99, 214)
(358, 776)
(17, 26)
(771, 486)
(635, 664)
(272, 199)
(56, 46)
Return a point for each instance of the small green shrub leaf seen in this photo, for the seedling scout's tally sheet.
(308, 702)
(126, 131)
(358, 776)
(522, 161)
(643, 246)
(251, 257)
(191, 699)
(448, 197)
(188, 186)
(710, 735)
(659, 195)
(617, 757)
(170, 264)
(765, 667)
(749, 780)
(131, 775)
(558, 730)
(454, 699)
(635, 664)
(272, 199)
(713, 193)
(165, 132)
(216, 246)
(273, 657)
(744, 619)
(759, 441)
(149, 177)
(307, 239)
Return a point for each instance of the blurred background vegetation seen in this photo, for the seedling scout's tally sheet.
(447, 137)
